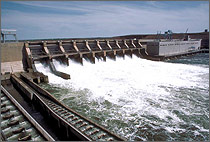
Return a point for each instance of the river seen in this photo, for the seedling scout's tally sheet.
(137, 98)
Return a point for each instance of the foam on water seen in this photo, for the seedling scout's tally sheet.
(143, 94)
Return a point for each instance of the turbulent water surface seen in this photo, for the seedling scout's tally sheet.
(137, 98)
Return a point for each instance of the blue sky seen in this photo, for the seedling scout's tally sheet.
(71, 19)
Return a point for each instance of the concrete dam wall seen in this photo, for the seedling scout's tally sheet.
(11, 51)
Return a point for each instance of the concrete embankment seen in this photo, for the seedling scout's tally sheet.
(11, 51)
(11, 57)
(15, 66)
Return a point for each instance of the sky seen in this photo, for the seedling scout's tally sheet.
(82, 19)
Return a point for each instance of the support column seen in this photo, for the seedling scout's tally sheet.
(27, 60)
(129, 53)
(46, 50)
(15, 37)
(107, 42)
(3, 38)
(104, 56)
(101, 55)
(77, 58)
(111, 54)
(64, 59)
(98, 44)
(75, 46)
(90, 57)
(86, 43)
(140, 43)
(133, 43)
(117, 44)
(120, 53)
(136, 52)
(125, 43)
(143, 53)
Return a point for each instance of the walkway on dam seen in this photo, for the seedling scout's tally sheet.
(15, 66)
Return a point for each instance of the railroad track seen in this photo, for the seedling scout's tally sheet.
(68, 121)
(89, 129)
(14, 126)
(70, 124)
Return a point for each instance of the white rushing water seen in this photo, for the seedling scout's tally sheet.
(139, 88)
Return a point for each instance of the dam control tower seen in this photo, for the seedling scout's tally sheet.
(10, 32)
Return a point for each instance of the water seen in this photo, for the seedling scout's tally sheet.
(137, 98)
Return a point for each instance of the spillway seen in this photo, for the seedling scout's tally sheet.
(138, 98)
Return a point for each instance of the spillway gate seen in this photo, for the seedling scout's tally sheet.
(45, 51)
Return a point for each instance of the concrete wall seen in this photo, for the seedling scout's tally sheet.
(176, 47)
(171, 47)
(11, 51)
(152, 48)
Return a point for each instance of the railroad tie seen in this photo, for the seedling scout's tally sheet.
(24, 137)
(13, 122)
(3, 97)
(66, 114)
(51, 104)
(18, 130)
(110, 139)
(94, 132)
(87, 128)
(8, 134)
(83, 124)
(63, 111)
(7, 116)
(70, 117)
(28, 137)
(5, 110)
(58, 109)
(3, 105)
(78, 122)
(101, 135)
(75, 118)
(56, 106)
(55, 109)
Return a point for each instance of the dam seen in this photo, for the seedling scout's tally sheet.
(45, 51)
(61, 63)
